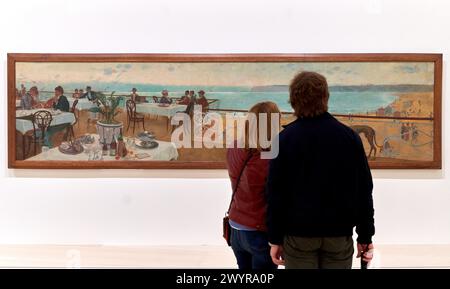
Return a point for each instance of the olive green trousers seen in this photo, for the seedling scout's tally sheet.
(318, 253)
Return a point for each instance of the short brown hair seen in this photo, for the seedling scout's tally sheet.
(35, 89)
(308, 94)
(60, 89)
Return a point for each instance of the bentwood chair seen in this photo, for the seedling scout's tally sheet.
(41, 120)
(133, 116)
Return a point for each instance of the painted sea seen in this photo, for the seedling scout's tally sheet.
(242, 98)
(339, 102)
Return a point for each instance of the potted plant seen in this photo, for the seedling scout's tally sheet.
(107, 127)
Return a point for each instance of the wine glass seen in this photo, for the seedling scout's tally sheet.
(87, 149)
(45, 152)
(130, 142)
(97, 152)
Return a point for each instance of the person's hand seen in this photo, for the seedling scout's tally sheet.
(276, 253)
(368, 252)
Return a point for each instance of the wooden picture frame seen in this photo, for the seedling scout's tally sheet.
(14, 59)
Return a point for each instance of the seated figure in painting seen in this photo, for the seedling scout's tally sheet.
(30, 99)
(34, 93)
(59, 101)
(165, 97)
(76, 93)
(89, 94)
(26, 101)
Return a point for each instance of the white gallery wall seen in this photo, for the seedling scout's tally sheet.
(170, 207)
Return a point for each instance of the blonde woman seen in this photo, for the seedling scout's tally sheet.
(248, 173)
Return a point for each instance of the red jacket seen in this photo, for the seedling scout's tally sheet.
(249, 204)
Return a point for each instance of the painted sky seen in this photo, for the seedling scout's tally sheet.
(225, 74)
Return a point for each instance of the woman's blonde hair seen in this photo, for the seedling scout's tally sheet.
(268, 108)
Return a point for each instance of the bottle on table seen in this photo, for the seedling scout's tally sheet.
(104, 148)
(121, 148)
(113, 147)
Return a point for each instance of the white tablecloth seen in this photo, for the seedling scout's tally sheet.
(83, 103)
(155, 109)
(166, 151)
(24, 125)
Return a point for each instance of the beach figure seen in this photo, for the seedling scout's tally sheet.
(403, 131)
(387, 150)
(415, 107)
(388, 110)
(414, 133)
(407, 131)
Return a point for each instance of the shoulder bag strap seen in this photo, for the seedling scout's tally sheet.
(239, 179)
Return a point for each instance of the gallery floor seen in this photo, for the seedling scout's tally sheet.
(63, 256)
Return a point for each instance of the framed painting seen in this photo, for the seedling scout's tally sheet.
(101, 111)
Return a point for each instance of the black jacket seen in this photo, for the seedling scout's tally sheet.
(62, 104)
(90, 97)
(320, 183)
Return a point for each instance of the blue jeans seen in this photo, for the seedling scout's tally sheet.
(251, 249)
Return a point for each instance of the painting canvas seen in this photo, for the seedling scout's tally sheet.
(117, 110)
